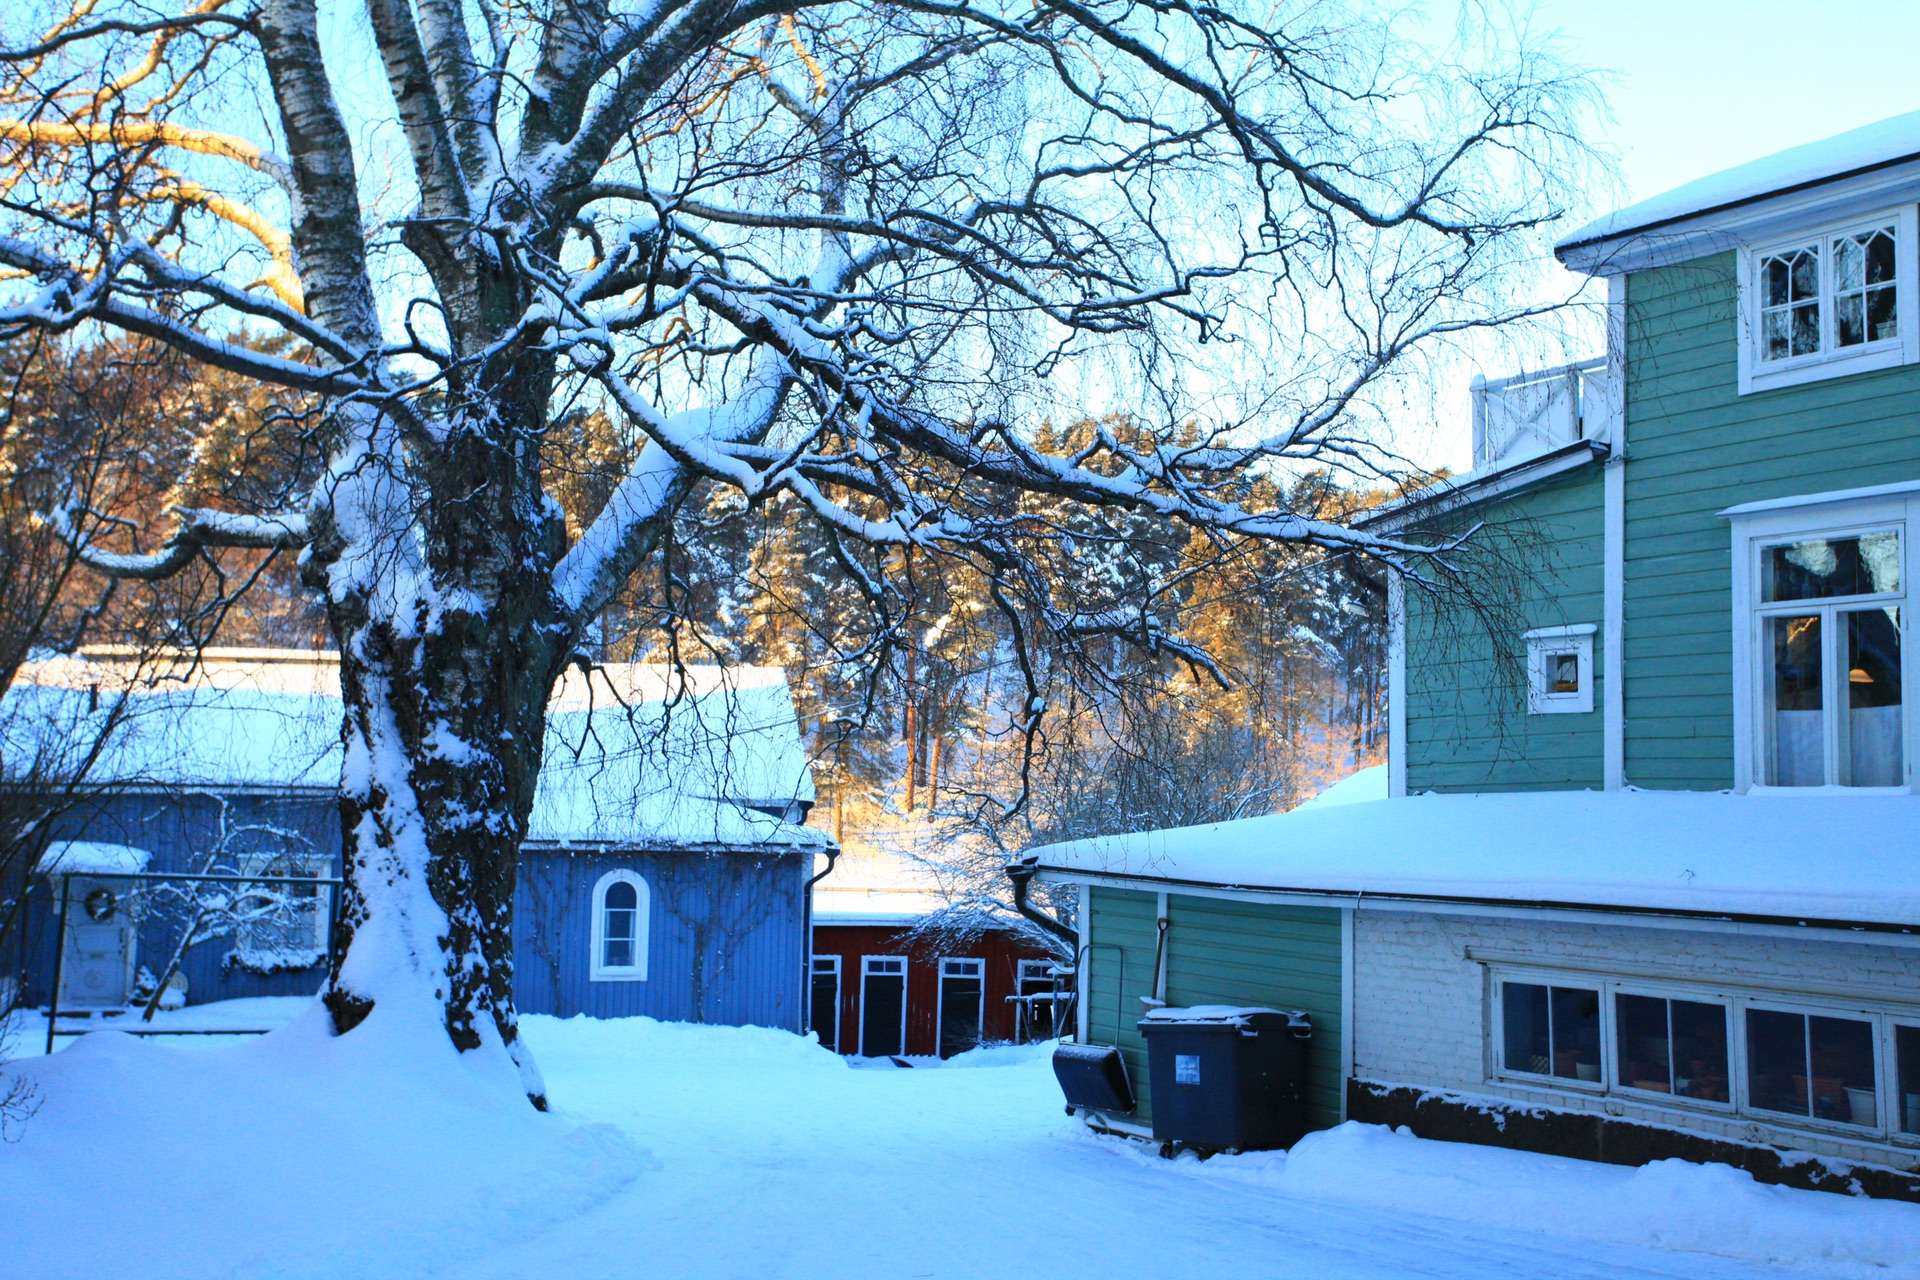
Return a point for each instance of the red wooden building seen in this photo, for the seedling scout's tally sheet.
(874, 995)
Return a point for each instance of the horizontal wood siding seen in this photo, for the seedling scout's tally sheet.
(1120, 971)
(1695, 446)
(1539, 565)
(1218, 952)
(1250, 953)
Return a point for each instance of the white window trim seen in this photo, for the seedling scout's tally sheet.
(839, 993)
(940, 999)
(1543, 641)
(1757, 375)
(905, 975)
(1884, 1016)
(1837, 515)
(642, 928)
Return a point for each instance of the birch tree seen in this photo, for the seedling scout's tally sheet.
(850, 252)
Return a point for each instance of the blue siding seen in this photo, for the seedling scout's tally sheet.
(727, 934)
(726, 937)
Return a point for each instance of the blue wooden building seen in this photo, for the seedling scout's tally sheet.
(665, 873)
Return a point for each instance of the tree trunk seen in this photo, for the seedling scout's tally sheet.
(450, 643)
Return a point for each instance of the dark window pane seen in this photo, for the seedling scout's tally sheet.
(1644, 1060)
(1806, 274)
(619, 953)
(1906, 1050)
(1874, 713)
(1823, 568)
(1798, 731)
(1849, 320)
(1523, 1014)
(1564, 669)
(1805, 327)
(1773, 336)
(1700, 1050)
(1841, 1050)
(1849, 264)
(1880, 257)
(620, 894)
(1777, 1061)
(1774, 284)
(1576, 1033)
(1883, 316)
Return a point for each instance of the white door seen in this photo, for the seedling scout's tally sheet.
(98, 969)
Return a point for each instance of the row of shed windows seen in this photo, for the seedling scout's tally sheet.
(1782, 1060)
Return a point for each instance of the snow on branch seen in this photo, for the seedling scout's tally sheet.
(199, 530)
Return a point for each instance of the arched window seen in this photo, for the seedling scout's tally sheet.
(621, 906)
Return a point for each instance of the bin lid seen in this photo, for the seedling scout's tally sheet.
(1230, 1015)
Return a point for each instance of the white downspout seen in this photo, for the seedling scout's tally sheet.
(1614, 536)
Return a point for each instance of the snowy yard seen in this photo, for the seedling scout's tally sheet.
(711, 1152)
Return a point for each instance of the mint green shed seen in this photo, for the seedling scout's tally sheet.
(1219, 949)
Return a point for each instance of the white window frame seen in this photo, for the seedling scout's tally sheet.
(1756, 374)
(316, 866)
(1884, 1016)
(1831, 516)
(1544, 643)
(642, 928)
(1497, 1022)
(940, 997)
(867, 970)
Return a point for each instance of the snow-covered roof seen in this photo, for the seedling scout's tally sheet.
(1355, 788)
(91, 858)
(635, 754)
(852, 906)
(1808, 857)
(1877, 145)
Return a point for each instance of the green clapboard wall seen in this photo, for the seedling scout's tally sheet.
(1219, 951)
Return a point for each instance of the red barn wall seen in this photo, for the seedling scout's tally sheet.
(1002, 951)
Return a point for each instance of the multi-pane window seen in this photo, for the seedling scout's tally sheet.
(1808, 1065)
(1672, 1046)
(1829, 294)
(621, 902)
(1551, 1030)
(1831, 644)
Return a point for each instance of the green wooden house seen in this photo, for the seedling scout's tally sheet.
(1646, 878)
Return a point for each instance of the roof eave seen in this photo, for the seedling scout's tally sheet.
(1358, 897)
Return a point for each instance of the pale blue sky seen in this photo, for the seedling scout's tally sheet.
(1701, 85)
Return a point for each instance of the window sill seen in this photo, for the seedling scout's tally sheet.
(616, 975)
(1757, 789)
(1888, 354)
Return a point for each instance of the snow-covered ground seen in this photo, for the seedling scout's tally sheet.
(716, 1152)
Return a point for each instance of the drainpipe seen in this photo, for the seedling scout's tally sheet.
(1021, 875)
(806, 938)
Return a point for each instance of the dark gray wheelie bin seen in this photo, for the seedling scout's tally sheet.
(1224, 1077)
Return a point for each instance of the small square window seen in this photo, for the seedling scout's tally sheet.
(1560, 670)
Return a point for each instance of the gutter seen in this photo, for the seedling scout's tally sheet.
(1468, 489)
(1354, 897)
(806, 937)
(1021, 874)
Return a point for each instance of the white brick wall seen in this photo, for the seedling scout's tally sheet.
(1421, 1007)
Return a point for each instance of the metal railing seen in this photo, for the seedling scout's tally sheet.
(1528, 414)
